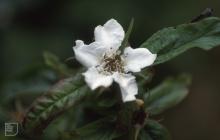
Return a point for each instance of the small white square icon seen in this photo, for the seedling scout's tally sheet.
(11, 129)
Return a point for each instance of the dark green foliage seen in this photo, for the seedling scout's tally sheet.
(54, 63)
(127, 35)
(172, 41)
(101, 115)
(154, 131)
(168, 94)
(103, 129)
(63, 95)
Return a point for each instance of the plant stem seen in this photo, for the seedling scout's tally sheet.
(137, 130)
(132, 134)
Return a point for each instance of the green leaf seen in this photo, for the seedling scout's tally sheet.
(54, 62)
(167, 94)
(143, 78)
(103, 129)
(144, 136)
(127, 35)
(154, 131)
(172, 41)
(63, 95)
(28, 84)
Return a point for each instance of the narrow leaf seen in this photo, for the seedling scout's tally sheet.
(127, 35)
(172, 41)
(167, 94)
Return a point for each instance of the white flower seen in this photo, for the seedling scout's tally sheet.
(105, 62)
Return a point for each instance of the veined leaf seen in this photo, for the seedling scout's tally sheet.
(103, 129)
(167, 94)
(154, 131)
(63, 95)
(172, 41)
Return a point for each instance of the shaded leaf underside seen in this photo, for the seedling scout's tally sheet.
(168, 94)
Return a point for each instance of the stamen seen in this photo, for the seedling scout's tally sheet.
(113, 64)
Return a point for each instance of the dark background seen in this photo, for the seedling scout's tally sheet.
(29, 27)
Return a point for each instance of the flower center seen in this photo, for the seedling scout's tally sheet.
(113, 64)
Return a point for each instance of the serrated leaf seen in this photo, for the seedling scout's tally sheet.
(63, 95)
(168, 94)
(103, 129)
(154, 131)
(172, 41)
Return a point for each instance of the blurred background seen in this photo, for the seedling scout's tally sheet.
(30, 27)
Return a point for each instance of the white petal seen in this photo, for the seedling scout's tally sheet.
(88, 55)
(127, 85)
(111, 34)
(136, 59)
(94, 79)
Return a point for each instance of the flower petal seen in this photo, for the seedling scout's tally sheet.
(136, 59)
(127, 85)
(111, 34)
(88, 55)
(94, 79)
